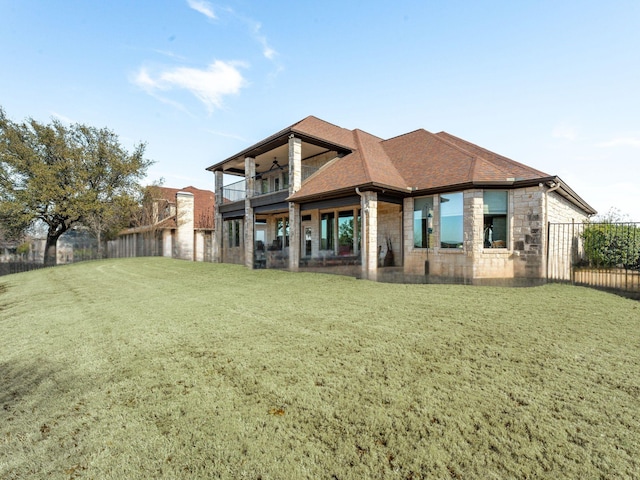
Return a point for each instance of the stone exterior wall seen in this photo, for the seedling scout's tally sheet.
(528, 232)
(455, 264)
(232, 254)
(488, 263)
(200, 242)
(561, 256)
(560, 210)
(524, 255)
(314, 225)
(389, 227)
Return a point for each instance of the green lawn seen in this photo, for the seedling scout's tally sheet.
(157, 368)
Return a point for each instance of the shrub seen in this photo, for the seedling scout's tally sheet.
(612, 244)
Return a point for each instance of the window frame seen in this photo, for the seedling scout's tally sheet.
(458, 243)
(425, 223)
(489, 240)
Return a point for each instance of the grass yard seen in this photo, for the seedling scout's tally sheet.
(158, 368)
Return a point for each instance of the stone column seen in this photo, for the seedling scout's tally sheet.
(295, 164)
(249, 217)
(369, 206)
(216, 254)
(295, 182)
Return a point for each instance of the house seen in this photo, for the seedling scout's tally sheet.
(420, 206)
(173, 222)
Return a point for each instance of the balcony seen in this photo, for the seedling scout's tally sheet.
(234, 192)
(264, 185)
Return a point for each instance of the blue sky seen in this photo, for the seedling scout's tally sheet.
(552, 84)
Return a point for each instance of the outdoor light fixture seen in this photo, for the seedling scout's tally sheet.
(275, 165)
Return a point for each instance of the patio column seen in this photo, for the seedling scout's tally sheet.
(295, 182)
(369, 206)
(216, 254)
(249, 217)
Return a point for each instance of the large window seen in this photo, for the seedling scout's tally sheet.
(451, 220)
(423, 222)
(495, 218)
(282, 231)
(326, 231)
(345, 233)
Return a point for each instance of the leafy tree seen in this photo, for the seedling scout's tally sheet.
(613, 215)
(65, 175)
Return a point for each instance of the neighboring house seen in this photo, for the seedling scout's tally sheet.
(175, 223)
(420, 206)
(10, 250)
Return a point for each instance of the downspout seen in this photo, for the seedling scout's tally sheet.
(553, 187)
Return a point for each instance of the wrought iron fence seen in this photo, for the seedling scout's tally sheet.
(604, 255)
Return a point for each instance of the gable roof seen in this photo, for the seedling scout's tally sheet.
(418, 162)
(203, 206)
(203, 209)
(414, 162)
(310, 129)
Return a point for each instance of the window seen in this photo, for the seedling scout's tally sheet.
(359, 223)
(236, 226)
(233, 231)
(260, 234)
(326, 231)
(307, 241)
(345, 233)
(285, 180)
(423, 222)
(282, 231)
(451, 220)
(495, 218)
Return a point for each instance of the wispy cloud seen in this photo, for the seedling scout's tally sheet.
(226, 135)
(621, 142)
(565, 131)
(268, 52)
(208, 85)
(203, 7)
(170, 54)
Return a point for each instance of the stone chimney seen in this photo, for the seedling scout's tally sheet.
(184, 220)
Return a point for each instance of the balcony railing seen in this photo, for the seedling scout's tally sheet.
(266, 189)
(307, 171)
(237, 191)
(234, 192)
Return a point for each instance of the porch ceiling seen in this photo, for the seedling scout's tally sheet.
(276, 148)
(264, 159)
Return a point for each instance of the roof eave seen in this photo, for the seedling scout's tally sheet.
(275, 141)
(370, 186)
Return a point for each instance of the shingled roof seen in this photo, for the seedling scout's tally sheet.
(203, 201)
(417, 162)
